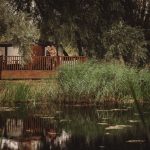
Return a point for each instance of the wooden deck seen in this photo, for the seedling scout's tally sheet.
(15, 67)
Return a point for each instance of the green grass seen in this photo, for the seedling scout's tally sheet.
(96, 82)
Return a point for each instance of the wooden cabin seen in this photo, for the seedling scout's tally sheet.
(44, 62)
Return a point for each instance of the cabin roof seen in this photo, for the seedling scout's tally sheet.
(40, 42)
(45, 43)
(5, 44)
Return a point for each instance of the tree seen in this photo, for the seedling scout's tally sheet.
(78, 24)
(17, 28)
(72, 23)
(125, 43)
(137, 12)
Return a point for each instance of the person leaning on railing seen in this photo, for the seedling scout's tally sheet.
(52, 61)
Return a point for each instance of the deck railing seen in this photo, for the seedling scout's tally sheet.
(38, 62)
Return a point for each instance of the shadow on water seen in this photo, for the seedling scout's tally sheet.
(46, 127)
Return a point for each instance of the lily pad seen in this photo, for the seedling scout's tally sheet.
(118, 127)
(64, 120)
(135, 141)
(47, 117)
(119, 109)
(101, 147)
(136, 114)
(107, 133)
(134, 121)
(102, 123)
(58, 112)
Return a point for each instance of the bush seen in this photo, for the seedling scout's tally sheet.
(125, 43)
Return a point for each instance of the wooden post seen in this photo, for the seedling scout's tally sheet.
(58, 61)
(1, 62)
(6, 50)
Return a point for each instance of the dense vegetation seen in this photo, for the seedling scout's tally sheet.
(96, 82)
(126, 44)
(89, 83)
(83, 26)
(17, 28)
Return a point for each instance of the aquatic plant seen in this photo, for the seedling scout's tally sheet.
(13, 93)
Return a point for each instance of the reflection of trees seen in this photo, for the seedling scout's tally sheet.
(44, 109)
(69, 128)
(87, 125)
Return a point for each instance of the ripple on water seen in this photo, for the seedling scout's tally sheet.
(134, 121)
(102, 123)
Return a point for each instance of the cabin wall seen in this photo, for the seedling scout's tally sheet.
(38, 50)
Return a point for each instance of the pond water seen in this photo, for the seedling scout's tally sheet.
(46, 127)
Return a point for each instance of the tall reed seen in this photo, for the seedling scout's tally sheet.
(13, 93)
(97, 82)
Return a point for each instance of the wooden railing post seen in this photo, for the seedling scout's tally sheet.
(39, 62)
(58, 60)
(1, 62)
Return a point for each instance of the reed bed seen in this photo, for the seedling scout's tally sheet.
(94, 82)
(88, 83)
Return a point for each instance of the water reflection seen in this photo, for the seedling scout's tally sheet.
(51, 128)
(32, 133)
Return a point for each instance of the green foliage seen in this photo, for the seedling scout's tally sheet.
(13, 93)
(125, 43)
(65, 23)
(21, 92)
(94, 82)
(81, 23)
(17, 28)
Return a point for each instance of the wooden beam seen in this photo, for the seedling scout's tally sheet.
(27, 74)
(6, 50)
